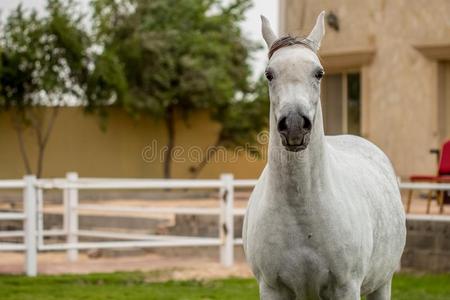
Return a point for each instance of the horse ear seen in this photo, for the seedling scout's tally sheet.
(317, 32)
(267, 32)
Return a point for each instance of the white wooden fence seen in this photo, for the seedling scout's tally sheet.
(33, 216)
(33, 232)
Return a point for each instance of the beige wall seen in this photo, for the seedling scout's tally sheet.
(399, 106)
(78, 144)
(399, 83)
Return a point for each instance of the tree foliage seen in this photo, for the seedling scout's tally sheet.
(47, 62)
(241, 123)
(161, 58)
(180, 56)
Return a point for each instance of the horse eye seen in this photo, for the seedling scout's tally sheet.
(269, 75)
(319, 74)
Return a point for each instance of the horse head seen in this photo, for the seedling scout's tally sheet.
(294, 73)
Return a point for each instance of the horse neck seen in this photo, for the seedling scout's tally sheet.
(304, 171)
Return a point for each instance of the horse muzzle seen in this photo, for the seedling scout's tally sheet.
(295, 131)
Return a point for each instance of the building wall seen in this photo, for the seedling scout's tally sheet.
(399, 106)
(78, 144)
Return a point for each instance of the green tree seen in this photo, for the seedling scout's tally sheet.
(180, 56)
(47, 63)
(241, 121)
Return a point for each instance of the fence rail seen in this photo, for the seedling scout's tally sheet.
(12, 216)
(32, 216)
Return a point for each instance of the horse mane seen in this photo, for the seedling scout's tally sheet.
(288, 40)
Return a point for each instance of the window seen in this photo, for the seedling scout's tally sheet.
(444, 100)
(341, 103)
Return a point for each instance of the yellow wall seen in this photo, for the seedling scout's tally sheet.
(399, 85)
(78, 144)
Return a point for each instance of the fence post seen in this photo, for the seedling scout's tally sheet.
(29, 204)
(71, 215)
(40, 216)
(226, 226)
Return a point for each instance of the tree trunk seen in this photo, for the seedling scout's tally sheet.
(195, 170)
(23, 151)
(170, 125)
(42, 139)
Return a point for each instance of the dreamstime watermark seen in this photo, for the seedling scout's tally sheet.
(154, 152)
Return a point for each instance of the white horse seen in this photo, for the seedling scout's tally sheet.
(325, 220)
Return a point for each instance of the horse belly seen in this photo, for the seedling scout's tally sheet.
(389, 235)
(388, 244)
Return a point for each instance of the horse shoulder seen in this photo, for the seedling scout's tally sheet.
(355, 145)
(362, 158)
(364, 168)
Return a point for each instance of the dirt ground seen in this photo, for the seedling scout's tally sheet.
(160, 267)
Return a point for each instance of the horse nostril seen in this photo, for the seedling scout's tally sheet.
(282, 125)
(306, 123)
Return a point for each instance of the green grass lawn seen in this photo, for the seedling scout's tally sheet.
(136, 286)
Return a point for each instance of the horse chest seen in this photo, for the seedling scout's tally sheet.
(296, 265)
(298, 250)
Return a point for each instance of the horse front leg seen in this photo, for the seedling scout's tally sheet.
(279, 293)
(382, 293)
(350, 291)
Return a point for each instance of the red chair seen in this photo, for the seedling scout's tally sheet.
(443, 176)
